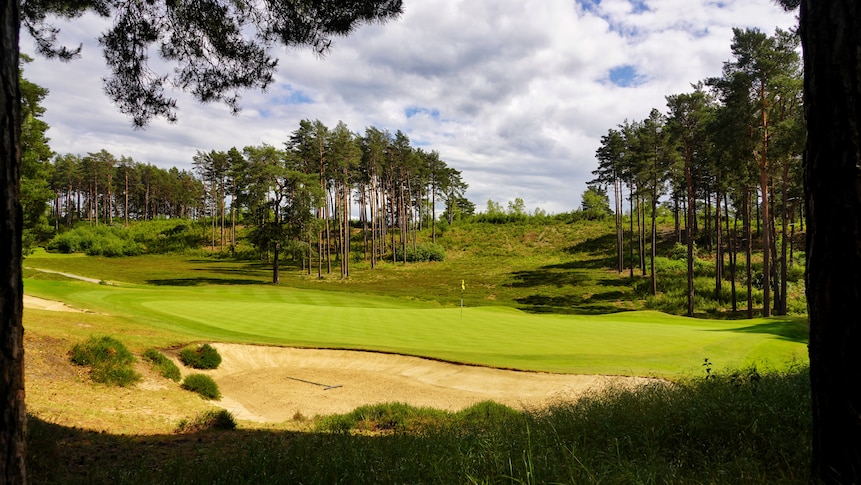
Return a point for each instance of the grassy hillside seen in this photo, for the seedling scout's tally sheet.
(537, 297)
(539, 265)
(543, 264)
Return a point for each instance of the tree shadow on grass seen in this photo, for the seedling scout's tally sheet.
(599, 246)
(792, 329)
(234, 274)
(571, 304)
(547, 276)
(600, 253)
(566, 305)
(203, 281)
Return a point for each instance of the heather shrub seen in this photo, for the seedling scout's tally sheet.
(203, 385)
(200, 357)
(110, 362)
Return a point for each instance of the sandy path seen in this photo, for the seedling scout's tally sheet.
(274, 384)
(70, 275)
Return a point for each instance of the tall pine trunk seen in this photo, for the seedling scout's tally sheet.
(732, 240)
(640, 261)
(13, 430)
(690, 219)
(718, 246)
(832, 85)
(654, 231)
(617, 195)
(631, 231)
(748, 249)
(784, 222)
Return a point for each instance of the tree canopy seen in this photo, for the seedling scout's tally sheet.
(216, 48)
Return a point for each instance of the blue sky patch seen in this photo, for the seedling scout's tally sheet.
(639, 6)
(412, 111)
(625, 76)
(593, 6)
(292, 96)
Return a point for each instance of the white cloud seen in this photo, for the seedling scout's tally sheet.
(516, 94)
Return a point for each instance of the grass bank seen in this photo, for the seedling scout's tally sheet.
(737, 428)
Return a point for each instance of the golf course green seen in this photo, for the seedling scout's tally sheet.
(639, 343)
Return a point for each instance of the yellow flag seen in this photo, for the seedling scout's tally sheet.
(462, 285)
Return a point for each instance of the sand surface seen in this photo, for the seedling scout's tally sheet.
(274, 384)
(43, 304)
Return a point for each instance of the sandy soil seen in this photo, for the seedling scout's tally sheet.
(274, 384)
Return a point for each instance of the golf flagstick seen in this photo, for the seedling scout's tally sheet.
(462, 288)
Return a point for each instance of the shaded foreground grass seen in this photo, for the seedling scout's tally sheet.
(745, 427)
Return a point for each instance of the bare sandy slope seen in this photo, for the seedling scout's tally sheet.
(274, 384)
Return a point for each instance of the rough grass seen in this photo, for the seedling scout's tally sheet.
(539, 265)
(745, 427)
(164, 366)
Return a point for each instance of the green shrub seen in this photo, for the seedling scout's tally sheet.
(167, 236)
(425, 253)
(108, 241)
(795, 273)
(382, 418)
(203, 385)
(200, 357)
(161, 364)
(208, 420)
(109, 360)
(154, 237)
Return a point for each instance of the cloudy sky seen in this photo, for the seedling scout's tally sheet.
(514, 93)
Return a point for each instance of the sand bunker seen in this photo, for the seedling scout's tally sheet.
(42, 304)
(274, 384)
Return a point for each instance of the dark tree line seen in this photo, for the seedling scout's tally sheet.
(104, 189)
(378, 181)
(307, 196)
(726, 157)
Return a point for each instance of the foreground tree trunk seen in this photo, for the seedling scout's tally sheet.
(12, 436)
(832, 181)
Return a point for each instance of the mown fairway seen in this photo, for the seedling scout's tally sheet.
(631, 343)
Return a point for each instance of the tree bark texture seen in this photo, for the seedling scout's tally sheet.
(12, 432)
(831, 37)
(689, 230)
